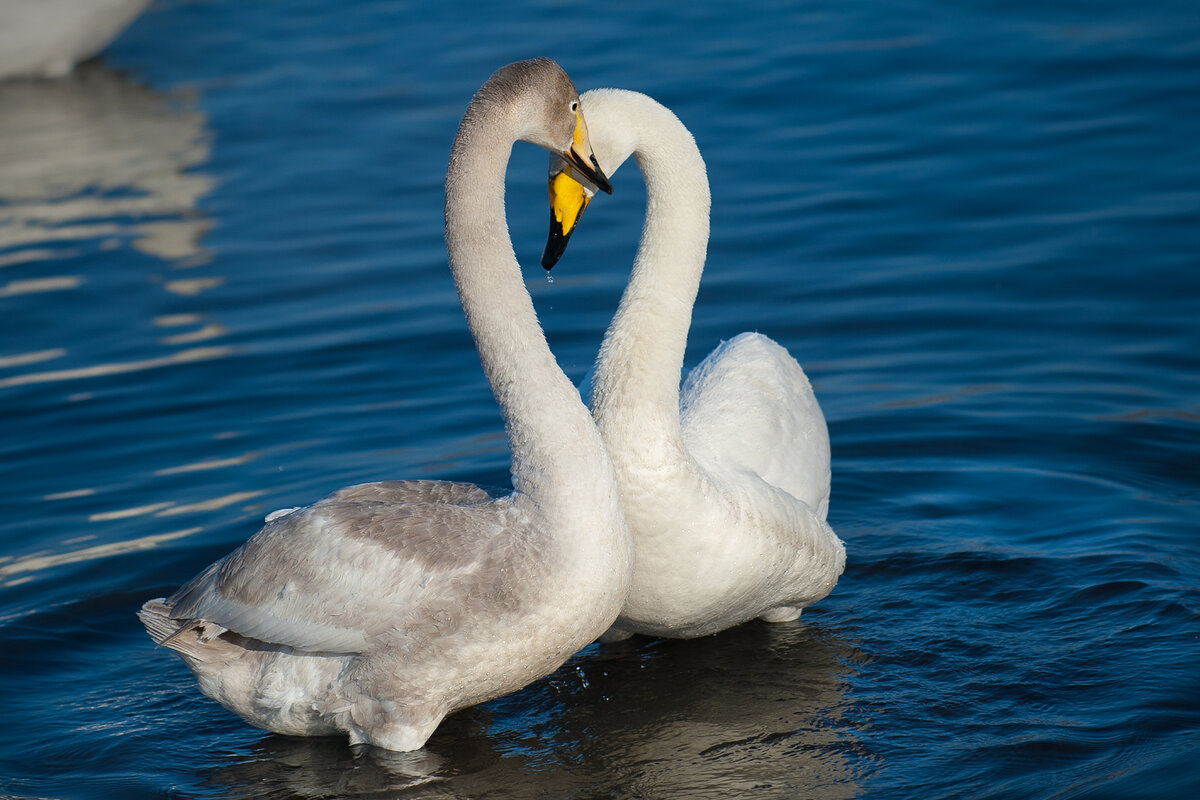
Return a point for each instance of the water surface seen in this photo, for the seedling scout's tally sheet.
(223, 291)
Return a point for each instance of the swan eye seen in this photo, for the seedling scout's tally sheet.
(574, 106)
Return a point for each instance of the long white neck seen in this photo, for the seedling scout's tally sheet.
(558, 456)
(635, 390)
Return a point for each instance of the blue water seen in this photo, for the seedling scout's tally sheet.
(223, 291)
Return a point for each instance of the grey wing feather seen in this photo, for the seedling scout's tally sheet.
(331, 576)
(440, 492)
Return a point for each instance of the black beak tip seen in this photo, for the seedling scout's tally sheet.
(603, 183)
(591, 172)
(556, 244)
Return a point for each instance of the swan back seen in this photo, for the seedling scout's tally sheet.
(749, 408)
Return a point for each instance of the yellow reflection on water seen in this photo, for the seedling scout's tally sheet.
(35, 357)
(176, 320)
(211, 331)
(127, 513)
(69, 495)
(34, 285)
(167, 508)
(191, 287)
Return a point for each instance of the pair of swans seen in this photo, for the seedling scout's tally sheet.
(384, 607)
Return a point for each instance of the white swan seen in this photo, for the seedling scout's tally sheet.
(386, 606)
(725, 484)
(47, 38)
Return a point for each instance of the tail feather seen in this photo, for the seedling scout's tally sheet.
(226, 668)
(191, 638)
(156, 616)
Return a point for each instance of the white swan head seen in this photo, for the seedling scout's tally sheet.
(614, 113)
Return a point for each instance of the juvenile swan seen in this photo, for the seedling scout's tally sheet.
(384, 607)
(725, 484)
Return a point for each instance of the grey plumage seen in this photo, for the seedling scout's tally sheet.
(385, 606)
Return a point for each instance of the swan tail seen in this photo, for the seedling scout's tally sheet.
(195, 639)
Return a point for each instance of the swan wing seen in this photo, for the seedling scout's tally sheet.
(334, 576)
(749, 406)
(439, 492)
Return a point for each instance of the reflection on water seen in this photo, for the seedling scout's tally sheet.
(95, 156)
(94, 162)
(181, 357)
(755, 711)
(13, 288)
(199, 466)
(34, 563)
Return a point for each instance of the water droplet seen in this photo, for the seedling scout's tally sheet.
(549, 277)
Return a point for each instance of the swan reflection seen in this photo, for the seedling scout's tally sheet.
(92, 162)
(97, 171)
(93, 156)
(754, 711)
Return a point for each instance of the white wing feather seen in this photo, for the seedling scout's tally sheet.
(749, 406)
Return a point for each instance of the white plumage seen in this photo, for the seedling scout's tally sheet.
(47, 38)
(726, 482)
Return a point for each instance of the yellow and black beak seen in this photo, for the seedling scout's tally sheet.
(569, 195)
(583, 160)
(568, 199)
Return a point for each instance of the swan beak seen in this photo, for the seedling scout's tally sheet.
(568, 199)
(582, 159)
(574, 180)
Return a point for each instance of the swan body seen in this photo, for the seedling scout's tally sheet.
(725, 482)
(47, 38)
(383, 607)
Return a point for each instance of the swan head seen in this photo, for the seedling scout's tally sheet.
(547, 111)
(570, 188)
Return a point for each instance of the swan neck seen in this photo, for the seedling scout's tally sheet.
(641, 359)
(546, 422)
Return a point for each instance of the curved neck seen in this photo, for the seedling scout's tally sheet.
(641, 360)
(555, 445)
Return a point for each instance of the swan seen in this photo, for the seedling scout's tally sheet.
(725, 483)
(47, 38)
(385, 606)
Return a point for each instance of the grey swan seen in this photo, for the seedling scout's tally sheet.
(384, 607)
